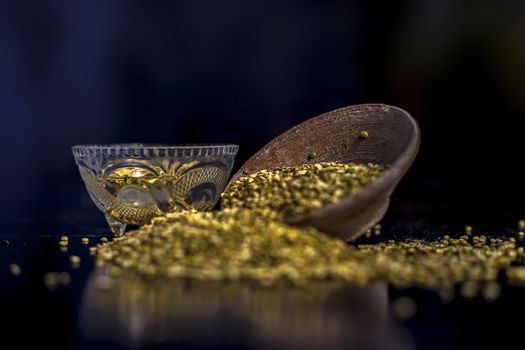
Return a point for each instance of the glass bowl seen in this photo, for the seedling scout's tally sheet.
(133, 183)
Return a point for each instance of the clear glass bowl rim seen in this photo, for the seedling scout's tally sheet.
(144, 150)
(132, 146)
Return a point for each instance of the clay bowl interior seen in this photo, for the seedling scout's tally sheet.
(335, 136)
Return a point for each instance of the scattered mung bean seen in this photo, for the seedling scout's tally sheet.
(75, 261)
(53, 280)
(15, 269)
(404, 308)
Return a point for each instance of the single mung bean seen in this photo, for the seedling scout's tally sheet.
(363, 134)
(15, 269)
(75, 260)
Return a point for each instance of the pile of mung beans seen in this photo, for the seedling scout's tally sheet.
(247, 240)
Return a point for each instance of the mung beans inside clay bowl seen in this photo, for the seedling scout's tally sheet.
(370, 145)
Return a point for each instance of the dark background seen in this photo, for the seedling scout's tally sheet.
(74, 72)
(99, 71)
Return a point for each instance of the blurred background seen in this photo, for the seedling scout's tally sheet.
(75, 72)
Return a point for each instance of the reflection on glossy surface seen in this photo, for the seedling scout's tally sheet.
(135, 313)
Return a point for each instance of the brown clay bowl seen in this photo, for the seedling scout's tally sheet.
(334, 136)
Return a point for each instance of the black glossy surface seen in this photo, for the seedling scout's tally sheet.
(184, 314)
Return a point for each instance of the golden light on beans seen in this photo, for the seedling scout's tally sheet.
(247, 240)
(290, 191)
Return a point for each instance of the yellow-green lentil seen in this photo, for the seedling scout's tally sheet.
(75, 260)
(312, 155)
(15, 269)
(404, 308)
(363, 134)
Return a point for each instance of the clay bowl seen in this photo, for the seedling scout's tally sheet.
(334, 136)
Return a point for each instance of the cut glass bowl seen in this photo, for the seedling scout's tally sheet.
(134, 183)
